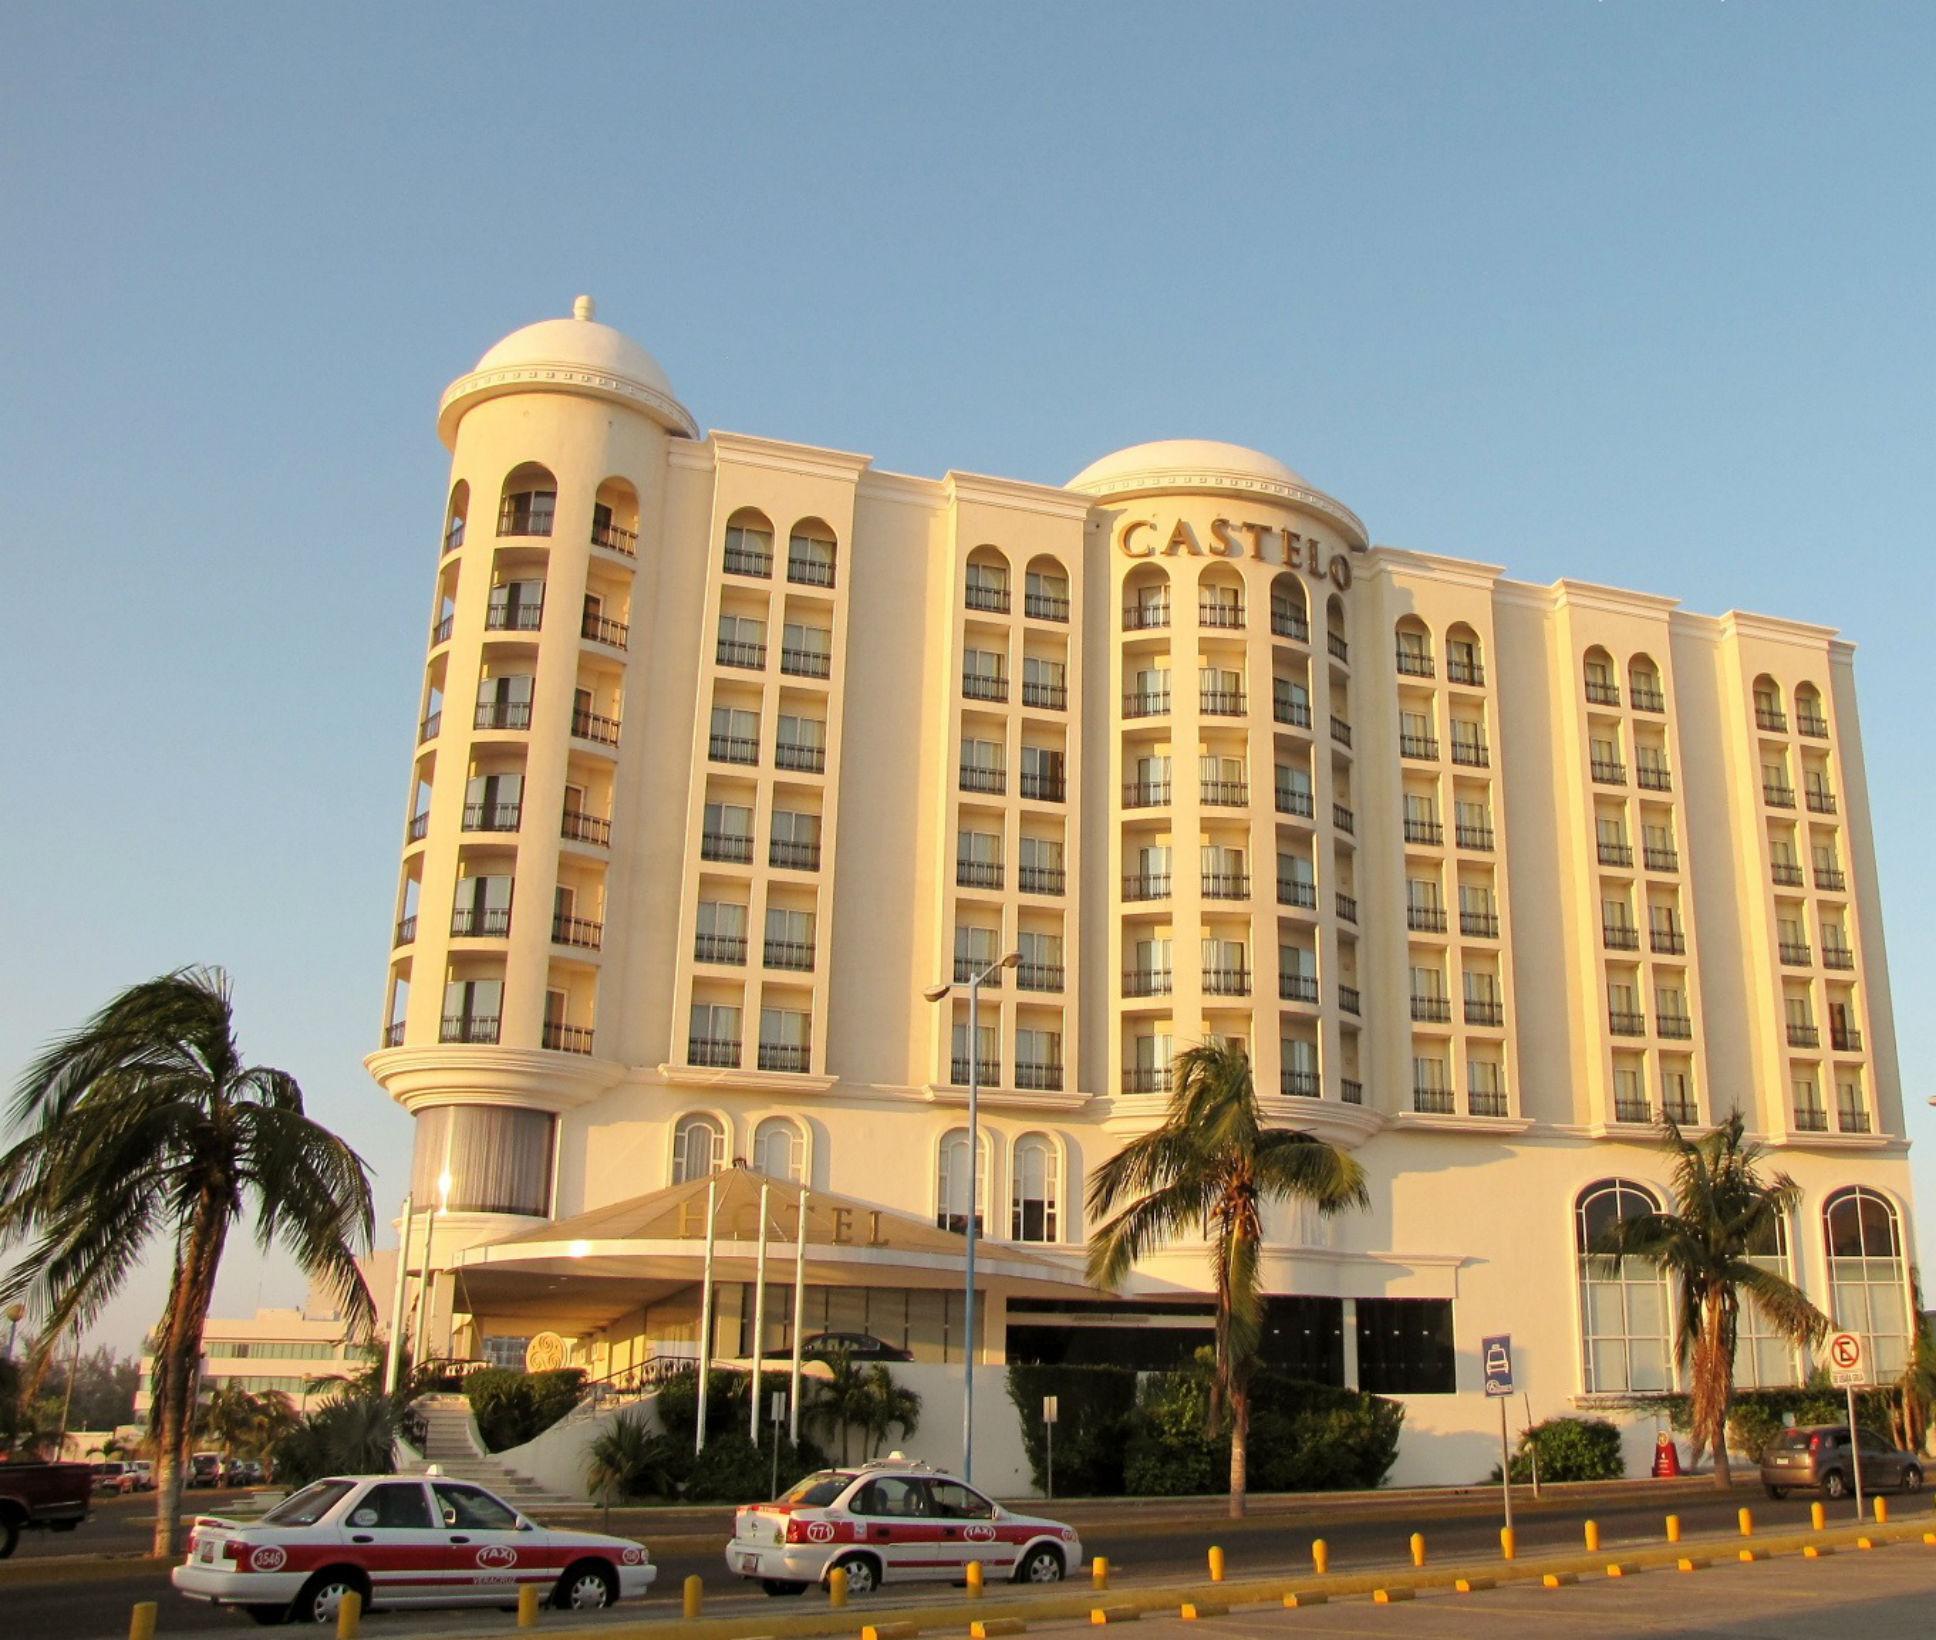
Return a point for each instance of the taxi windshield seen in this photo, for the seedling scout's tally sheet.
(309, 1505)
(817, 1491)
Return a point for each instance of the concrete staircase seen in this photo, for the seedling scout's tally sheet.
(451, 1444)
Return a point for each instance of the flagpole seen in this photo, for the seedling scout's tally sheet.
(706, 1316)
(799, 1319)
(396, 1301)
(759, 1317)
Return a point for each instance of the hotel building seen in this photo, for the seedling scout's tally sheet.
(729, 748)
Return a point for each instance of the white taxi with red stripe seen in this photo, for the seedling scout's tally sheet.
(401, 1540)
(893, 1522)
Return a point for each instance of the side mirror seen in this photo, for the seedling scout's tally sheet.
(525, 1525)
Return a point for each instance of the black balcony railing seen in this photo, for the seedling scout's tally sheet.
(1620, 936)
(1052, 697)
(733, 748)
(1844, 1038)
(988, 1071)
(1142, 703)
(1046, 785)
(1432, 1010)
(737, 652)
(1485, 1102)
(613, 539)
(796, 955)
(790, 855)
(1146, 982)
(1147, 885)
(1616, 854)
(1838, 956)
(1631, 1110)
(1043, 1075)
(1661, 859)
(1226, 981)
(1226, 885)
(509, 617)
(527, 513)
(1213, 612)
(1786, 873)
(1038, 976)
(1335, 643)
(1045, 606)
(393, 1034)
(1041, 880)
(1850, 1117)
(594, 726)
(1811, 1119)
(1414, 664)
(503, 714)
(992, 600)
(1794, 953)
(492, 816)
(800, 759)
(1296, 1084)
(1351, 1090)
(1479, 1011)
(480, 922)
(440, 633)
(1470, 673)
(1482, 925)
(748, 561)
(733, 847)
(1821, 800)
(1473, 837)
(1221, 702)
(1296, 987)
(1422, 746)
(581, 827)
(1340, 731)
(1653, 777)
(1778, 797)
(1348, 907)
(1292, 710)
(1146, 617)
(481, 1028)
(562, 1038)
(453, 535)
(1349, 1000)
(966, 968)
(1471, 753)
(1344, 819)
(1771, 718)
(1645, 699)
(1146, 1079)
(1294, 800)
(1814, 727)
(1674, 1027)
(1626, 1022)
(809, 572)
(1424, 831)
(1830, 878)
(1428, 1100)
(1667, 942)
(727, 948)
(1609, 772)
(603, 629)
(984, 686)
(1288, 623)
(1293, 891)
(976, 779)
(1803, 1036)
(1425, 919)
(417, 828)
(1225, 794)
(1684, 1111)
(978, 874)
(1602, 694)
(712, 1050)
(805, 663)
(406, 930)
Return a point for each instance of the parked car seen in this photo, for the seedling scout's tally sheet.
(397, 1540)
(55, 1496)
(860, 1346)
(243, 1472)
(204, 1469)
(110, 1477)
(1819, 1455)
(140, 1476)
(892, 1521)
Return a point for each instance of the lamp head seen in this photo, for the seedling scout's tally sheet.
(934, 993)
(1011, 959)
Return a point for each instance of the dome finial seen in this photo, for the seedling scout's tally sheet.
(583, 307)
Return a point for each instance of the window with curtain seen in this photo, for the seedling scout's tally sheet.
(1867, 1290)
(1623, 1301)
(952, 1186)
(698, 1147)
(1763, 1359)
(497, 1159)
(1035, 1207)
(780, 1149)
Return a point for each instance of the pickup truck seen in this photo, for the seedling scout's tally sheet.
(53, 1495)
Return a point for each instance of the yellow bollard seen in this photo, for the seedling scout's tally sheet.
(695, 1595)
(1673, 1528)
(1593, 1537)
(1418, 1548)
(1506, 1543)
(974, 1580)
(1817, 1516)
(837, 1586)
(528, 1606)
(1216, 1564)
(1099, 1571)
(1746, 1517)
(1320, 1556)
(1882, 1511)
(349, 1615)
(141, 1622)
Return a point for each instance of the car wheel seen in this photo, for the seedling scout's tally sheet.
(863, 1573)
(9, 1535)
(586, 1587)
(1778, 1493)
(782, 1585)
(1834, 1486)
(322, 1595)
(1041, 1565)
(269, 1616)
(1912, 1479)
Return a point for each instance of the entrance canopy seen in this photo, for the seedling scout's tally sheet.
(585, 1272)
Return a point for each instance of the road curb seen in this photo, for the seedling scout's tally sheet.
(26, 1574)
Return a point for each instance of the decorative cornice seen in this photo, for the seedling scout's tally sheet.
(1226, 481)
(776, 455)
(1465, 571)
(454, 1074)
(1429, 1121)
(1017, 494)
(480, 385)
(728, 1079)
(946, 1093)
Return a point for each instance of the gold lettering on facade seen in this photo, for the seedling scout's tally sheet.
(1182, 539)
(1259, 534)
(1223, 543)
(1125, 530)
(874, 1236)
(692, 1221)
(1267, 544)
(843, 1227)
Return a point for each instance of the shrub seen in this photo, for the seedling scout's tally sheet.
(1094, 1407)
(732, 1469)
(628, 1460)
(346, 1435)
(678, 1404)
(1570, 1449)
(513, 1407)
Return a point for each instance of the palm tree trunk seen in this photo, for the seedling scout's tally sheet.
(1239, 1451)
(1713, 1386)
(177, 1350)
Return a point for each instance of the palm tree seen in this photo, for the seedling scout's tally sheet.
(1209, 1169)
(889, 1406)
(146, 1123)
(228, 1418)
(1724, 1212)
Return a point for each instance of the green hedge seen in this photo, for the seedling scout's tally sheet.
(513, 1407)
(1570, 1449)
(1757, 1416)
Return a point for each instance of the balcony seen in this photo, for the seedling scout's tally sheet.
(805, 663)
(417, 827)
(1043, 1075)
(1811, 1119)
(1339, 649)
(393, 1034)
(1667, 942)
(1470, 673)
(1295, 801)
(1486, 1102)
(440, 633)
(1340, 731)
(988, 1070)
(1472, 754)
(1224, 794)
(1838, 956)
(1850, 1117)
(1146, 1079)
(1645, 699)
(1414, 664)
(1803, 1036)
(1226, 982)
(1432, 1010)
(1661, 859)
(1675, 1027)
(594, 726)
(1146, 617)
(1045, 785)
(733, 652)
(1608, 772)
(1474, 837)
(1616, 854)
(1294, 1084)
(1425, 919)
(581, 932)
(1348, 908)
(1142, 703)
(1287, 623)
(975, 779)
(453, 536)
(1296, 987)
(1478, 1011)
(1226, 885)
(1146, 982)
(809, 572)
(1482, 925)
(795, 955)
(600, 629)
(733, 748)
(1045, 606)
(1816, 728)
(1821, 800)
(475, 1028)
(990, 600)
(726, 948)
(1289, 709)
(742, 560)
(1147, 885)
(1778, 797)
(1786, 873)
(1625, 1022)
(789, 855)
(613, 539)
(1794, 953)
(514, 617)
(1428, 1100)
(565, 1038)
(732, 847)
(1602, 694)
(1631, 1110)
(1684, 1111)
(1620, 936)
(1844, 1038)
(1221, 702)
(492, 816)
(718, 1051)
(1349, 1000)
(1351, 1090)
(499, 714)
(1653, 778)
(1831, 879)
(1038, 976)
(1419, 746)
(1041, 880)
(1051, 697)
(1424, 831)
(406, 930)
(966, 968)
(480, 922)
(1223, 616)
(800, 759)
(1771, 718)
(984, 686)
(1344, 820)
(529, 512)
(978, 874)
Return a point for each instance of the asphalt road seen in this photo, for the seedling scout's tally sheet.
(1146, 1541)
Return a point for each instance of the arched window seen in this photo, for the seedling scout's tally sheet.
(1334, 637)
(780, 1149)
(1768, 711)
(1763, 1358)
(455, 515)
(1865, 1277)
(1465, 661)
(749, 543)
(1623, 1301)
(951, 1183)
(1035, 1206)
(698, 1147)
(1414, 647)
(530, 498)
(615, 517)
(1220, 598)
(1809, 716)
(1046, 596)
(810, 554)
(986, 582)
(1643, 685)
(1289, 612)
(1146, 598)
(1602, 687)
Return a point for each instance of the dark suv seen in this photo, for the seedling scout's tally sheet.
(1819, 1455)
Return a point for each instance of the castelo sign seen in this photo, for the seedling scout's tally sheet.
(1146, 537)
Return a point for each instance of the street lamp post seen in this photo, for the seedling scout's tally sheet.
(937, 993)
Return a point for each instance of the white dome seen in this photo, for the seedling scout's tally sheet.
(1201, 460)
(569, 355)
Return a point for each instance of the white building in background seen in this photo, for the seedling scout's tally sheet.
(287, 1350)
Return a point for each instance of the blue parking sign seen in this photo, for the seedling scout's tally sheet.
(1496, 1353)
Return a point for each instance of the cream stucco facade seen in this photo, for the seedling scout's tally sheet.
(730, 747)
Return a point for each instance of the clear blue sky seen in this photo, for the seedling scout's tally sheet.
(1634, 292)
